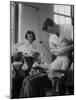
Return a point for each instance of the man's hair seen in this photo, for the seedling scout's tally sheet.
(47, 22)
(30, 32)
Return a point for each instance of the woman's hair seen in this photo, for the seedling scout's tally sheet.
(30, 32)
(47, 22)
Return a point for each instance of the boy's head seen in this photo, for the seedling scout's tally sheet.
(37, 57)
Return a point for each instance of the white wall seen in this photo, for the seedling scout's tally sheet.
(28, 21)
(45, 11)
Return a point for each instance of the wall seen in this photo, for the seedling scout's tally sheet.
(28, 21)
(45, 11)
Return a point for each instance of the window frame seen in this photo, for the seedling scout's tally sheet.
(71, 16)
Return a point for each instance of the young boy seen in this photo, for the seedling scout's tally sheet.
(39, 65)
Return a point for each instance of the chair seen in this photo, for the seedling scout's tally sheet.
(68, 82)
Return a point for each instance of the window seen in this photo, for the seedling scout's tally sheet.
(63, 14)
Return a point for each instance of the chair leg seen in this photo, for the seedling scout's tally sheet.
(55, 87)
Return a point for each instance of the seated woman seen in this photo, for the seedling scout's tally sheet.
(30, 49)
(27, 47)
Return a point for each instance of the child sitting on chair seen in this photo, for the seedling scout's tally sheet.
(38, 65)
